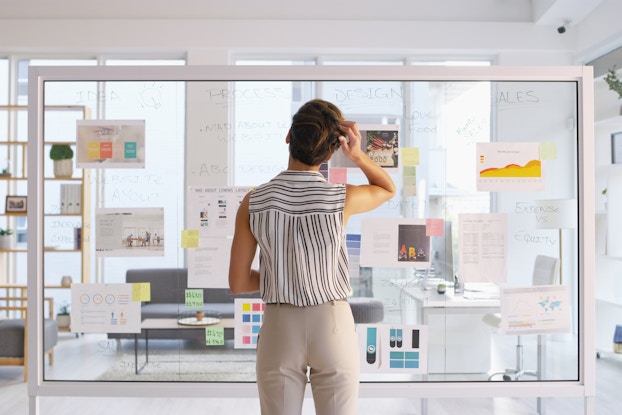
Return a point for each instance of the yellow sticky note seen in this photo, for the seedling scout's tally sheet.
(189, 238)
(548, 151)
(410, 156)
(214, 336)
(141, 291)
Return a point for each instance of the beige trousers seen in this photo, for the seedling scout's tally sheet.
(321, 339)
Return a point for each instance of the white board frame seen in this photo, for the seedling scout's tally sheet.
(584, 387)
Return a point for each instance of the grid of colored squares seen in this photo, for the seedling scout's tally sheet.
(107, 150)
(404, 360)
(252, 318)
(407, 359)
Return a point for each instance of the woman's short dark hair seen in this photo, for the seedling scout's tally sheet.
(315, 131)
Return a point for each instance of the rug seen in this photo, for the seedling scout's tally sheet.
(203, 365)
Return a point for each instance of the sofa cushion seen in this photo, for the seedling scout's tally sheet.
(169, 285)
(12, 335)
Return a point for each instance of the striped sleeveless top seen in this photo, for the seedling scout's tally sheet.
(297, 220)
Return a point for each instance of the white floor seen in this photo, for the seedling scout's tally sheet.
(70, 359)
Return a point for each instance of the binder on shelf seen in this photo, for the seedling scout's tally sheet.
(70, 198)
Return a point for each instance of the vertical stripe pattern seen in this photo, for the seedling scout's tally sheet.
(297, 219)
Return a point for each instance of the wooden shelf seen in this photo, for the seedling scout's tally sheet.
(63, 214)
(17, 146)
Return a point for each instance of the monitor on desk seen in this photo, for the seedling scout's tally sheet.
(442, 254)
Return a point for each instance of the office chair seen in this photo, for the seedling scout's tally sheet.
(545, 272)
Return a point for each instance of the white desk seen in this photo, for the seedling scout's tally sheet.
(459, 341)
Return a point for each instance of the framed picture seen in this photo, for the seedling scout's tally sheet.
(16, 205)
(616, 147)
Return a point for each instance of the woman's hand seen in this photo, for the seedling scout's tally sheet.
(363, 198)
(351, 146)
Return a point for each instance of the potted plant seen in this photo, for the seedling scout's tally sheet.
(62, 317)
(6, 238)
(441, 288)
(614, 82)
(62, 154)
(199, 315)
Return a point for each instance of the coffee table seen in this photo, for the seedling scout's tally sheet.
(167, 324)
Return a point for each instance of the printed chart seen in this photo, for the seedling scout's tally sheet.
(535, 309)
(211, 211)
(111, 144)
(483, 247)
(509, 167)
(393, 348)
(104, 308)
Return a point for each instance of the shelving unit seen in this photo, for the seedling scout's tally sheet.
(61, 256)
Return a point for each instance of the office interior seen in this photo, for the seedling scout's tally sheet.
(528, 33)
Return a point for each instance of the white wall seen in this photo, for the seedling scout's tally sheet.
(209, 42)
(216, 41)
(600, 32)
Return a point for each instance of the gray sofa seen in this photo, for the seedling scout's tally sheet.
(168, 286)
(13, 346)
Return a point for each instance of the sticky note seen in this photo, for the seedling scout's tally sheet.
(434, 227)
(189, 238)
(141, 291)
(410, 180)
(194, 298)
(410, 156)
(214, 336)
(548, 151)
(338, 175)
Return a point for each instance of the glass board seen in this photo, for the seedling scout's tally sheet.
(478, 249)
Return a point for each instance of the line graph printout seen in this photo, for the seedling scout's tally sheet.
(537, 309)
(483, 247)
(509, 167)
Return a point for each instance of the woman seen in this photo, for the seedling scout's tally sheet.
(298, 220)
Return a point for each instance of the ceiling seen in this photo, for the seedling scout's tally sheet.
(540, 12)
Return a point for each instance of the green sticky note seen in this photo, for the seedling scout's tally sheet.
(194, 298)
(141, 291)
(548, 151)
(410, 156)
(410, 171)
(214, 336)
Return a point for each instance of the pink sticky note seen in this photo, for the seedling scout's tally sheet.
(434, 227)
(337, 175)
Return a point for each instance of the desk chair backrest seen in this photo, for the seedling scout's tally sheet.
(545, 271)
